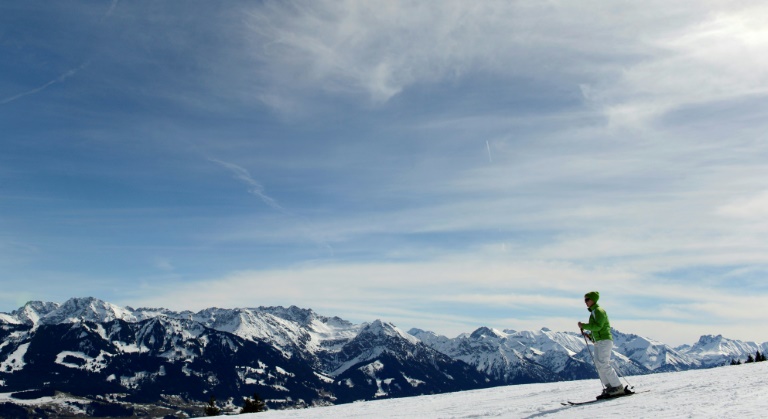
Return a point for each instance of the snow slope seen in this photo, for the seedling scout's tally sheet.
(730, 391)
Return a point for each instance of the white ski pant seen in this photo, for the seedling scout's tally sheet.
(606, 372)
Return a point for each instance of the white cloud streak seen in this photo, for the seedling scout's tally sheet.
(632, 62)
(60, 79)
(254, 187)
(720, 58)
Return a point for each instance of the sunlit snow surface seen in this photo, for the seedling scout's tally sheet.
(732, 391)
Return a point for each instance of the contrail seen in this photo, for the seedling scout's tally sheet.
(59, 79)
(257, 189)
(254, 187)
(112, 8)
(66, 74)
(488, 147)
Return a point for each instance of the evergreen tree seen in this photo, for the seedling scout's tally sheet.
(759, 357)
(211, 409)
(750, 360)
(254, 405)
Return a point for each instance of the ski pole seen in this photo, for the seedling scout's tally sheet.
(591, 356)
(623, 377)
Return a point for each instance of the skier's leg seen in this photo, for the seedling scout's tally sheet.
(603, 363)
(599, 363)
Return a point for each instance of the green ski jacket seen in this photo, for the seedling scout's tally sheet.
(598, 324)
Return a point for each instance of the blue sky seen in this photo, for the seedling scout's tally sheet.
(442, 166)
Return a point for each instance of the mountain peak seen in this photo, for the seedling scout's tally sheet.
(380, 328)
(417, 332)
(92, 309)
(429, 338)
(33, 311)
(485, 333)
(303, 316)
(707, 339)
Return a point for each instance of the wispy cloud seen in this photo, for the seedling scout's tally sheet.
(376, 49)
(59, 79)
(711, 60)
(111, 9)
(299, 230)
(379, 50)
(752, 207)
(653, 62)
(254, 186)
(164, 264)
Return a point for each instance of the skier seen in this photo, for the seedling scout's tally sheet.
(600, 329)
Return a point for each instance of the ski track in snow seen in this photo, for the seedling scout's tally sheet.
(730, 391)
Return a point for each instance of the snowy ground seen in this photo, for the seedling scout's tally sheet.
(731, 391)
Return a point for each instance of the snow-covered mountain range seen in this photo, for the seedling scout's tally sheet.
(295, 357)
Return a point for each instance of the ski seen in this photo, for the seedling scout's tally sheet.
(570, 403)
